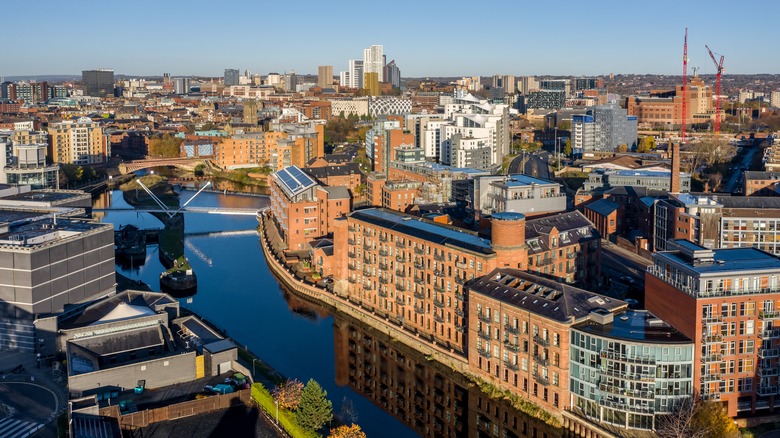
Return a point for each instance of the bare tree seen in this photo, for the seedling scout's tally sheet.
(696, 419)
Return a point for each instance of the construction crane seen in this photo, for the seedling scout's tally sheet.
(719, 67)
(684, 86)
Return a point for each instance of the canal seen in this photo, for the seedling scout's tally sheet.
(389, 390)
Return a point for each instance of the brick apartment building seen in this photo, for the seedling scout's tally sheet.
(726, 300)
(303, 209)
(519, 332)
(412, 271)
(338, 175)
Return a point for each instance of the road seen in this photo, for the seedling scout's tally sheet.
(737, 173)
(617, 262)
(535, 165)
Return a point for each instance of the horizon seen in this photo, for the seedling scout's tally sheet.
(596, 40)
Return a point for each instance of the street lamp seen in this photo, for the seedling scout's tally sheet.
(253, 366)
(276, 402)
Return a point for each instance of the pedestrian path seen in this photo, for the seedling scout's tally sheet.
(13, 428)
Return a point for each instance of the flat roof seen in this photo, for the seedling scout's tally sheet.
(37, 232)
(726, 260)
(45, 195)
(636, 325)
(428, 231)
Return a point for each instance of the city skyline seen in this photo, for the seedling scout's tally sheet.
(597, 40)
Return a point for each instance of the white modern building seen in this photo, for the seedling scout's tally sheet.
(374, 61)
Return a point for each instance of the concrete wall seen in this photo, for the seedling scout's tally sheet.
(66, 272)
(212, 361)
(157, 373)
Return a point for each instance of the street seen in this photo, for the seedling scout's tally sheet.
(535, 165)
(737, 173)
(617, 262)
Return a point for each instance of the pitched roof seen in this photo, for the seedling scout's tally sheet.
(604, 207)
(542, 296)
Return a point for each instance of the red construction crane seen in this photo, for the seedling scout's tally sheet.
(719, 67)
(684, 86)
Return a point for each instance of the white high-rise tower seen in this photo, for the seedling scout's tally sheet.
(374, 61)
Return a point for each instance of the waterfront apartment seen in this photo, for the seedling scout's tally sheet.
(412, 270)
(627, 369)
(303, 209)
(518, 332)
(726, 301)
(565, 246)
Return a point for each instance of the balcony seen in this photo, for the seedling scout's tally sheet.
(420, 295)
(544, 262)
(352, 266)
(439, 303)
(541, 341)
(352, 255)
(352, 280)
(418, 265)
(399, 258)
(367, 287)
(769, 315)
(438, 257)
(634, 407)
(438, 288)
(461, 265)
(712, 377)
(484, 335)
(384, 252)
(367, 273)
(419, 309)
(400, 272)
(766, 372)
(768, 352)
(767, 390)
(460, 312)
(400, 287)
(459, 279)
(767, 334)
(460, 328)
(542, 380)
(418, 250)
(419, 281)
(712, 338)
(383, 266)
(636, 393)
(438, 273)
(438, 319)
(571, 269)
(710, 396)
(511, 366)
(483, 352)
(460, 296)
(400, 301)
(352, 241)
(572, 255)
(621, 374)
(511, 329)
(541, 360)
(612, 355)
(511, 347)
(711, 319)
(367, 247)
(484, 318)
(383, 238)
(712, 358)
(384, 280)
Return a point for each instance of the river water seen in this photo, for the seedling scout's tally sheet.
(237, 292)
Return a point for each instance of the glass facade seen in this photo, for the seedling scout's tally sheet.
(625, 382)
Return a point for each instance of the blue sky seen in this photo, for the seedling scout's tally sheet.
(426, 38)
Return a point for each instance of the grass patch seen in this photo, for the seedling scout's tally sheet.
(241, 176)
(286, 418)
(506, 162)
(515, 400)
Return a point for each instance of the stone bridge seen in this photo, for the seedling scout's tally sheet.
(184, 163)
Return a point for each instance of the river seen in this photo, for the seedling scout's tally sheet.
(238, 293)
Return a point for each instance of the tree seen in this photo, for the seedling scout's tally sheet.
(314, 409)
(345, 431)
(288, 394)
(622, 148)
(696, 419)
(567, 150)
(166, 146)
(647, 144)
(348, 412)
(706, 152)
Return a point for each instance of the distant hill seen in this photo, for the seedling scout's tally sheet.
(42, 78)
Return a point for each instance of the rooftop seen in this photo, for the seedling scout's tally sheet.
(26, 232)
(46, 196)
(541, 296)
(604, 207)
(293, 181)
(706, 261)
(635, 325)
(519, 179)
(428, 231)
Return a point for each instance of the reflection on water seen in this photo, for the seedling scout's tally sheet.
(425, 395)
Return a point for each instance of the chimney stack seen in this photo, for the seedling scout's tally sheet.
(675, 182)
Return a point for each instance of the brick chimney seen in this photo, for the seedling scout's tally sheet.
(675, 183)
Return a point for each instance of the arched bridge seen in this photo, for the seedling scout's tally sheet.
(185, 163)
